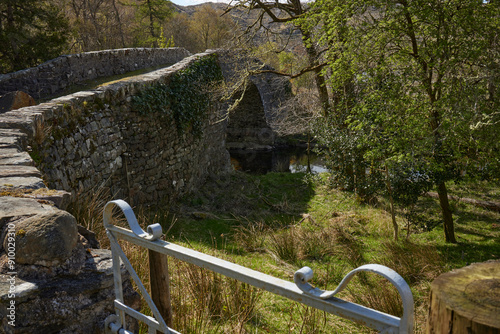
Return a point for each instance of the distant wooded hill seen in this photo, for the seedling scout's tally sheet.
(67, 27)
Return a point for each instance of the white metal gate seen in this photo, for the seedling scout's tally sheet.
(299, 290)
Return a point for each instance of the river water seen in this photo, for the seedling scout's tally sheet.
(278, 160)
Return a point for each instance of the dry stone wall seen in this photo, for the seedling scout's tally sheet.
(78, 143)
(57, 75)
(95, 138)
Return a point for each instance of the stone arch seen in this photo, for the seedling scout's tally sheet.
(247, 126)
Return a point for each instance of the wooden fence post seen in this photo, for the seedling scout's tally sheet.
(160, 284)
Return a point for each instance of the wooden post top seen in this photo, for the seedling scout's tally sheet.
(472, 293)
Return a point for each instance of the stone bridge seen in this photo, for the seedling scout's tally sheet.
(92, 140)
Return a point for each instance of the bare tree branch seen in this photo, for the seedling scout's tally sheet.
(291, 76)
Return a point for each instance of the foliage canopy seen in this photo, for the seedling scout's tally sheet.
(415, 88)
(31, 31)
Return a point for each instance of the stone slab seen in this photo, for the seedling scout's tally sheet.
(12, 138)
(19, 182)
(17, 206)
(60, 198)
(9, 141)
(19, 171)
(16, 159)
(6, 151)
(22, 288)
(12, 122)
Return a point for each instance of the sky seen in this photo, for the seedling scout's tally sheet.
(196, 2)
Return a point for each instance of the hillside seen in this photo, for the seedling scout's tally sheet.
(280, 32)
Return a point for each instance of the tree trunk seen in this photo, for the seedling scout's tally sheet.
(309, 152)
(151, 21)
(449, 230)
(160, 285)
(433, 88)
(466, 301)
(119, 21)
(319, 79)
(393, 214)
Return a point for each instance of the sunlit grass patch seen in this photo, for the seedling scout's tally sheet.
(277, 223)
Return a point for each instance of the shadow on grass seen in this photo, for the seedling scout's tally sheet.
(464, 253)
(473, 231)
(210, 215)
(478, 235)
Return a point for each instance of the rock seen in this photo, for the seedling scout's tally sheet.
(12, 138)
(67, 303)
(21, 182)
(15, 100)
(16, 159)
(18, 207)
(73, 266)
(60, 198)
(18, 171)
(89, 236)
(45, 239)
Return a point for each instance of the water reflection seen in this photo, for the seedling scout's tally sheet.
(279, 160)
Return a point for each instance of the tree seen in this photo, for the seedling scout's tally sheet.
(97, 24)
(31, 32)
(280, 15)
(423, 75)
(150, 15)
(177, 27)
(211, 29)
(296, 116)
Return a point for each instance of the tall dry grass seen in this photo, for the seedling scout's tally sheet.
(338, 242)
(202, 301)
(296, 243)
(251, 236)
(87, 208)
(414, 262)
(41, 131)
(375, 292)
(206, 302)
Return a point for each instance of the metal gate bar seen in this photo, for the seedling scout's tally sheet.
(299, 290)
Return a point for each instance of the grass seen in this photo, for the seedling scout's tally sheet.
(277, 223)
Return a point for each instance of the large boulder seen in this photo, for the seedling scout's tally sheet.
(46, 239)
(15, 100)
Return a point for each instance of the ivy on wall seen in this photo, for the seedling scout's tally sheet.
(185, 99)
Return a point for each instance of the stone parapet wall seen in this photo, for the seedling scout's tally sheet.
(97, 139)
(94, 138)
(76, 144)
(55, 76)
